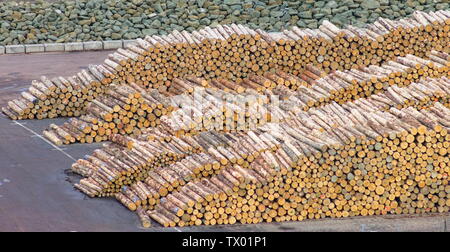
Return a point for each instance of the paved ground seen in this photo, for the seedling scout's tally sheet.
(36, 196)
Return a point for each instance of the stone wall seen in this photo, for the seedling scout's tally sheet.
(93, 20)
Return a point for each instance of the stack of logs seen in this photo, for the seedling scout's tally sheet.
(123, 109)
(390, 162)
(224, 105)
(60, 97)
(210, 109)
(234, 52)
(420, 95)
(348, 85)
(253, 172)
(113, 168)
(127, 108)
(204, 154)
(340, 87)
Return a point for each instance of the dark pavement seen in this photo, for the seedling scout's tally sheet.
(35, 194)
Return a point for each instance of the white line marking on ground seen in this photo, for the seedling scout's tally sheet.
(47, 141)
(15, 123)
(178, 230)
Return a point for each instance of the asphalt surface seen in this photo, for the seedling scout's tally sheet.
(34, 193)
(35, 186)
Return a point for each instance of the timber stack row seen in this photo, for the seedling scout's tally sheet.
(128, 108)
(210, 109)
(123, 109)
(383, 162)
(348, 85)
(420, 94)
(229, 156)
(234, 52)
(59, 97)
(339, 86)
(110, 169)
(323, 116)
(193, 148)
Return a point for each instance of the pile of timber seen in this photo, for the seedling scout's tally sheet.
(349, 85)
(219, 151)
(390, 163)
(339, 86)
(213, 109)
(225, 105)
(123, 109)
(128, 108)
(113, 167)
(258, 83)
(420, 95)
(60, 97)
(234, 52)
(198, 156)
(220, 154)
(435, 91)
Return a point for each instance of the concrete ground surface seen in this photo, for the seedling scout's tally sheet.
(35, 186)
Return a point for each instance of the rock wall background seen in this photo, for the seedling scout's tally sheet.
(85, 20)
